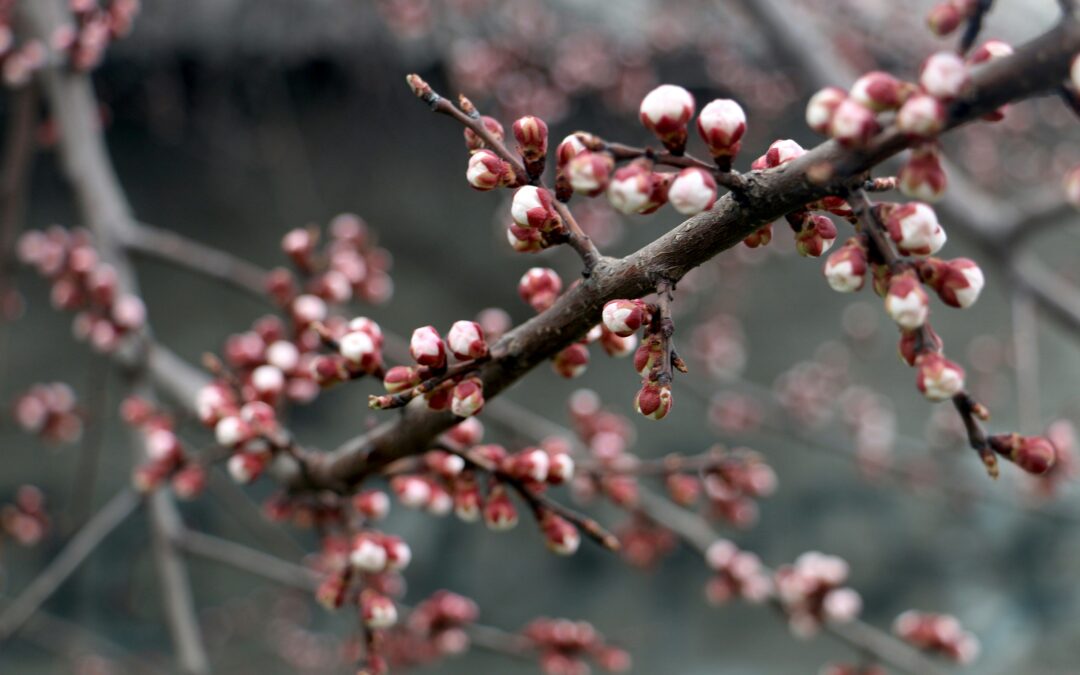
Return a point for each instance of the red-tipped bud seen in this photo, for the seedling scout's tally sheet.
(721, 125)
(413, 492)
(822, 106)
(761, 237)
(845, 270)
(427, 347)
(232, 431)
(922, 177)
(816, 236)
(922, 116)
(692, 191)
(880, 91)
(572, 361)
(367, 554)
(488, 171)
(377, 610)
(534, 207)
(944, 18)
(307, 309)
(525, 239)
(906, 301)
(915, 229)
(189, 482)
(466, 341)
(532, 137)
(665, 111)
(372, 504)
(561, 469)
(944, 75)
(491, 125)
(989, 51)
(468, 397)
(360, 350)
(653, 400)
(560, 534)
(958, 282)
(499, 511)
(540, 287)
(1034, 454)
(245, 467)
(938, 378)
(400, 378)
(625, 317)
(572, 146)
(589, 172)
(853, 124)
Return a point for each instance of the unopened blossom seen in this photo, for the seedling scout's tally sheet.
(572, 146)
(560, 535)
(589, 172)
(880, 91)
(614, 345)
(721, 125)
(822, 106)
(780, 152)
(307, 309)
(990, 51)
(540, 287)
(367, 554)
(468, 397)
(937, 633)
(365, 325)
(232, 431)
(400, 378)
(1034, 454)
(398, 553)
(488, 171)
(853, 123)
(372, 504)
(532, 464)
(922, 116)
(958, 282)
(937, 377)
(535, 207)
(466, 341)
(413, 492)
(922, 177)
(845, 270)
(1074, 73)
(525, 239)
(915, 228)
(624, 317)
(947, 15)
(572, 361)
(666, 111)
(653, 400)
(944, 75)
(499, 512)
(473, 141)
(427, 347)
(377, 610)
(561, 468)
(906, 301)
(631, 186)
(816, 236)
(359, 349)
(245, 467)
(692, 191)
(531, 134)
(760, 237)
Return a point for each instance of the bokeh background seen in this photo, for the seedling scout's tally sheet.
(233, 121)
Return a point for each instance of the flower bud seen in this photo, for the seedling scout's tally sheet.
(560, 535)
(624, 317)
(781, 152)
(922, 116)
(232, 431)
(499, 511)
(532, 137)
(540, 287)
(366, 325)
(759, 238)
(653, 400)
(359, 349)
(944, 18)
(572, 146)
(841, 605)
(377, 610)
(488, 171)
(372, 504)
(1034, 454)
(721, 125)
(816, 236)
(665, 111)
(398, 553)
(307, 309)
(474, 142)
(944, 75)
(1074, 73)
(589, 172)
(534, 207)
(922, 177)
(989, 51)
(427, 348)
(914, 342)
(822, 106)
(468, 397)
(906, 301)
(444, 463)
(631, 186)
(845, 270)
(692, 191)
(561, 469)
(853, 124)
(572, 361)
(367, 554)
(245, 467)
(958, 282)
(525, 239)
(466, 341)
(937, 377)
(412, 491)
(880, 91)
(915, 229)
(400, 378)
(331, 592)
(129, 312)
(616, 346)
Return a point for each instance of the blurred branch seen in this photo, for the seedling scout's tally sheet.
(19, 611)
(1026, 348)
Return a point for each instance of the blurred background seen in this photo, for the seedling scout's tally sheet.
(234, 121)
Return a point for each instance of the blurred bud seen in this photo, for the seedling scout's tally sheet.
(938, 378)
(427, 347)
(853, 124)
(468, 397)
(922, 116)
(944, 75)
(821, 108)
(914, 227)
(922, 177)
(540, 287)
(572, 361)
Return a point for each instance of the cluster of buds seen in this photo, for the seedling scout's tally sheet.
(732, 485)
(270, 365)
(49, 411)
(95, 27)
(564, 646)
(608, 436)
(535, 221)
(84, 284)
(939, 634)
(1034, 454)
(349, 265)
(653, 358)
(164, 458)
(25, 519)
(17, 62)
(643, 543)
(441, 620)
(357, 350)
(811, 592)
(736, 574)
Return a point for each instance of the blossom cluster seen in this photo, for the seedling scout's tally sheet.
(165, 458)
(736, 574)
(83, 283)
(812, 593)
(25, 519)
(653, 359)
(18, 62)
(50, 412)
(732, 485)
(95, 26)
(565, 646)
(937, 633)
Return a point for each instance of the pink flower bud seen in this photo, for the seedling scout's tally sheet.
(816, 236)
(1034, 454)
(268, 381)
(572, 361)
(782, 152)
(540, 287)
(721, 125)
(129, 312)
(922, 116)
(163, 447)
(624, 317)
(561, 469)
(260, 416)
(398, 553)
(914, 342)
(653, 400)
(466, 341)
(958, 282)
(499, 511)
(377, 610)
(307, 309)
(990, 51)
(631, 186)
(665, 111)
(560, 535)
(944, 18)
(906, 301)
(360, 350)
(841, 605)
(466, 499)
(922, 177)
(880, 91)
(1071, 186)
(189, 482)
(616, 346)
(331, 592)
(488, 171)
(400, 378)
(944, 75)
(525, 239)
(853, 124)
(915, 229)
(572, 146)
(245, 467)
(937, 377)
(474, 142)
(372, 504)
(532, 137)
(232, 431)
(759, 238)
(284, 355)
(299, 244)
(530, 464)
(412, 491)
(692, 191)
(534, 207)
(468, 397)
(365, 325)
(367, 554)
(822, 106)
(427, 348)
(845, 270)
(589, 172)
